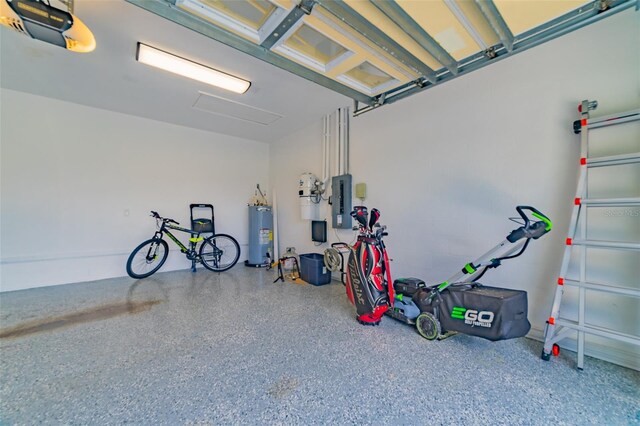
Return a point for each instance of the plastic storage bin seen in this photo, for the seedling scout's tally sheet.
(312, 269)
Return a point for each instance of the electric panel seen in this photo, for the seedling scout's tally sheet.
(341, 201)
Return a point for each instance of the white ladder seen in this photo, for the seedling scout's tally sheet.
(559, 328)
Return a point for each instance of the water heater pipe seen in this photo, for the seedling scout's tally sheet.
(326, 149)
(342, 141)
(274, 209)
(335, 142)
(344, 136)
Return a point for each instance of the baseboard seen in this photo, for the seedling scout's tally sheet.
(82, 255)
(25, 272)
(597, 350)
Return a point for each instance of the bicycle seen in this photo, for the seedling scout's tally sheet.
(217, 253)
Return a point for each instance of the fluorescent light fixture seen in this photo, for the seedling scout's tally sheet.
(184, 67)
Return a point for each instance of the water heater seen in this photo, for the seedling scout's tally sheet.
(260, 236)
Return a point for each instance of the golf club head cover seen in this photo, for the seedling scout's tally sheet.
(360, 213)
(373, 218)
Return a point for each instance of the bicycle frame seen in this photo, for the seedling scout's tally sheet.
(193, 240)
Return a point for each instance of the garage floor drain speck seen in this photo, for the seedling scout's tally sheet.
(283, 387)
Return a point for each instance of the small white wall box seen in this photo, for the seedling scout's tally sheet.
(309, 198)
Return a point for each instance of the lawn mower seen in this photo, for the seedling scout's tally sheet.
(457, 305)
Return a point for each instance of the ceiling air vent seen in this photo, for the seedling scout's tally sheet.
(227, 108)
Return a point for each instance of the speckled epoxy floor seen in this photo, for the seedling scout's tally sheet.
(235, 348)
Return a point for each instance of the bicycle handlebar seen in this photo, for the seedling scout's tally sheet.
(164, 219)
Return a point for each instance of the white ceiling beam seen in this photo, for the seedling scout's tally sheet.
(409, 26)
(355, 21)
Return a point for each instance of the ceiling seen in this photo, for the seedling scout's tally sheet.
(110, 78)
(373, 52)
(380, 51)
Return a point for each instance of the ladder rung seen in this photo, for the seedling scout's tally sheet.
(610, 202)
(614, 160)
(609, 120)
(607, 244)
(626, 291)
(600, 331)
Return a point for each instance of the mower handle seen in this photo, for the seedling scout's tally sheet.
(530, 229)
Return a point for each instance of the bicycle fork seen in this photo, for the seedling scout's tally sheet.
(152, 254)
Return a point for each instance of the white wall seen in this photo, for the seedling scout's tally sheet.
(69, 174)
(448, 166)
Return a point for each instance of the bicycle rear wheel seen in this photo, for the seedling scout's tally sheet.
(147, 258)
(219, 253)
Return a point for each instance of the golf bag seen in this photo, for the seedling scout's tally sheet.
(369, 286)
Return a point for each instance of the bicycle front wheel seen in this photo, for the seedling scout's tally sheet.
(147, 258)
(219, 253)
